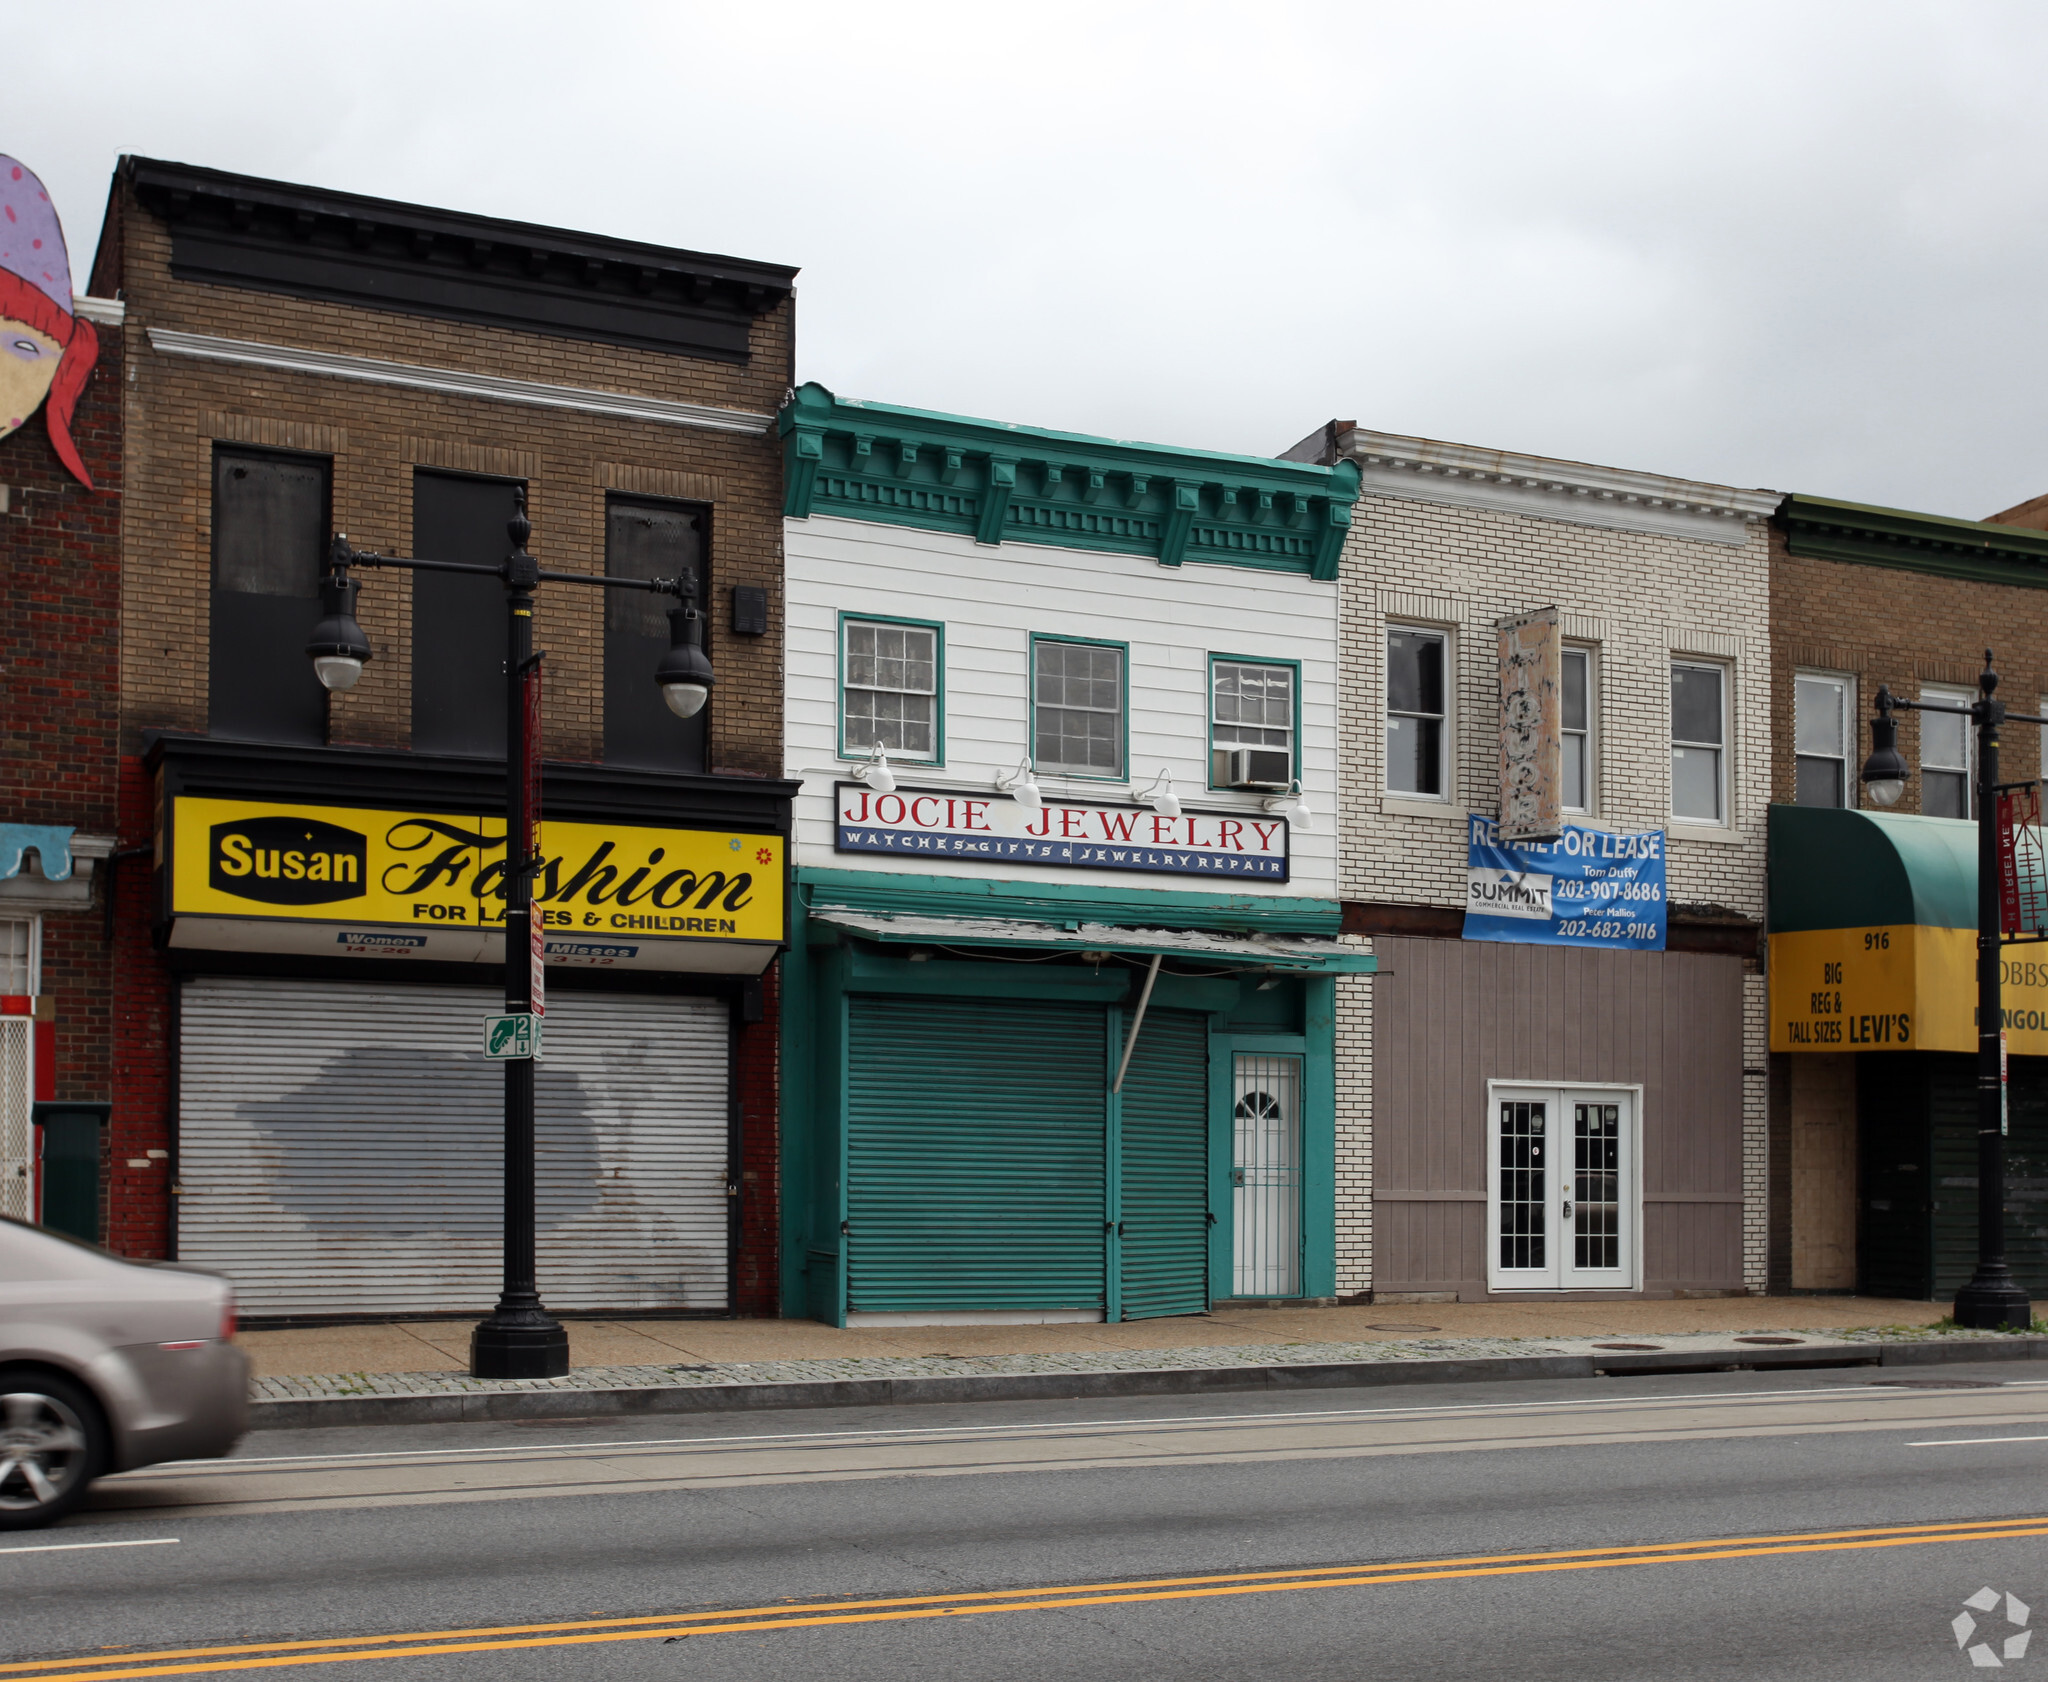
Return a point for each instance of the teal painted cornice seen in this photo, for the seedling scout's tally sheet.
(1979, 550)
(998, 483)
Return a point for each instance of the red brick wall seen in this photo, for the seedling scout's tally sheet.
(138, 1215)
(60, 591)
(755, 1072)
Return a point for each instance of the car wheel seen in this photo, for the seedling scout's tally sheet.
(52, 1444)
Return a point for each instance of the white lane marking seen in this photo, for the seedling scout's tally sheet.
(1966, 1442)
(74, 1547)
(1584, 1403)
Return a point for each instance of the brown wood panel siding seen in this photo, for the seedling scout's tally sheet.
(1453, 1015)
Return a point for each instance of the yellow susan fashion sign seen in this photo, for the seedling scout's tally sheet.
(445, 871)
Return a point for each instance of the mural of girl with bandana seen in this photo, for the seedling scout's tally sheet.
(46, 352)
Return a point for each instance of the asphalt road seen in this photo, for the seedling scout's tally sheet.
(1820, 1524)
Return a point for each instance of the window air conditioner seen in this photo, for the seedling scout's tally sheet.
(1259, 768)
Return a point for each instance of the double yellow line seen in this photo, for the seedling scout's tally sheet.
(195, 1661)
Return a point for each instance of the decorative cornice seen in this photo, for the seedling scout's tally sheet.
(108, 312)
(1981, 551)
(1462, 475)
(453, 382)
(309, 242)
(1000, 483)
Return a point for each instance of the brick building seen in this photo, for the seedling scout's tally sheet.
(1456, 1058)
(60, 561)
(1873, 911)
(301, 1097)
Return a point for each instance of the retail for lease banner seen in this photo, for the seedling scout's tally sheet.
(1589, 887)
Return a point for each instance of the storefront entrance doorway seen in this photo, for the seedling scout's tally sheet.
(1563, 1195)
(1266, 1176)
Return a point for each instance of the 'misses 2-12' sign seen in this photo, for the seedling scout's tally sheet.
(992, 829)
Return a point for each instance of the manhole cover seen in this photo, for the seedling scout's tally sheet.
(1770, 1340)
(1940, 1383)
(1392, 1328)
(1628, 1346)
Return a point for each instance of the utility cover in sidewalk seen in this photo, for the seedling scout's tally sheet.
(511, 1036)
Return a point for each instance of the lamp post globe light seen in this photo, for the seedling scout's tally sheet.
(519, 1338)
(1993, 1298)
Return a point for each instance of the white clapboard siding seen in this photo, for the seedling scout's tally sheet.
(341, 1147)
(991, 601)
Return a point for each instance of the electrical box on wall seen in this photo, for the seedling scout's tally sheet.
(749, 610)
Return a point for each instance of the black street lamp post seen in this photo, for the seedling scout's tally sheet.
(1993, 1297)
(519, 1339)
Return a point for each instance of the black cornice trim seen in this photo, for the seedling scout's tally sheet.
(203, 765)
(273, 236)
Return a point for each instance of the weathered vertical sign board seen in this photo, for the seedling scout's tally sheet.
(1531, 705)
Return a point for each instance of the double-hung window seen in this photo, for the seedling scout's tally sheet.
(1576, 732)
(1945, 756)
(1821, 734)
(889, 689)
(1699, 742)
(1077, 712)
(1415, 712)
(1250, 706)
(270, 524)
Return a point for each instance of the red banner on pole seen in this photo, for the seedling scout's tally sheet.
(2022, 872)
(529, 847)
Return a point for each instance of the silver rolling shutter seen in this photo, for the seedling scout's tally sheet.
(340, 1147)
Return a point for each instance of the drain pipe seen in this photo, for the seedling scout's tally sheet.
(1137, 1022)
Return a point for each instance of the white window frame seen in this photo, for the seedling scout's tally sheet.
(1447, 759)
(849, 748)
(1590, 653)
(35, 950)
(1954, 696)
(1725, 747)
(1851, 783)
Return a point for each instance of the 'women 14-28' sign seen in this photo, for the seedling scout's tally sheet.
(993, 829)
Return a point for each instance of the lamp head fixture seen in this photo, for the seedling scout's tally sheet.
(337, 646)
(1294, 807)
(1022, 786)
(1884, 772)
(685, 670)
(875, 772)
(1160, 796)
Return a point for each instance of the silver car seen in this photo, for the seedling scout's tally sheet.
(106, 1365)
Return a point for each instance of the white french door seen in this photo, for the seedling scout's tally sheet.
(1563, 1201)
(1265, 1177)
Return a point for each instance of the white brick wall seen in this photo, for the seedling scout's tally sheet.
(1639, 598)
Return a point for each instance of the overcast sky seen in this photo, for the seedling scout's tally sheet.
(1798, 245)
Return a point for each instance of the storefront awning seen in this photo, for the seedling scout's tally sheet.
(1873, 937)
(1307, 954)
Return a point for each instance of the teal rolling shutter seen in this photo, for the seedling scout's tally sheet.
(975, 1161)
(1166, 1167)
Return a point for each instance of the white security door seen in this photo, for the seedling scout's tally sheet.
(1265, 1177)
(1562, 1199)
(17, 1084)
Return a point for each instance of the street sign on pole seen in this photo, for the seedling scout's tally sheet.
(507, 1037)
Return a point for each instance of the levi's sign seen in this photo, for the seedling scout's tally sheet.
(1078, 834)
(241, 858)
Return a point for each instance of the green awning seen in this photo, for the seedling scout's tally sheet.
(1836, 868)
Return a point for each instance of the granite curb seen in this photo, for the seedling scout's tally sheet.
(450, 1407)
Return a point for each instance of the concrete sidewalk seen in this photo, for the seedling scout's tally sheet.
(426, 1347)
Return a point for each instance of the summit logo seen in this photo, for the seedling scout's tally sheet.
(1508, 893)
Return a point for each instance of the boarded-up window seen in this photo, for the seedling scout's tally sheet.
(645, 539)
(458, 619)
(269, 540)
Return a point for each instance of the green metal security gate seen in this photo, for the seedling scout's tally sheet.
(1165, 1167)
(975, 1155)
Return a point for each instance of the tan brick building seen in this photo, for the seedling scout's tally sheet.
(300, 362)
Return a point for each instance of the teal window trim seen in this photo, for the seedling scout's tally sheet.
(1123, 772)
(938, 630)
(1209, 705)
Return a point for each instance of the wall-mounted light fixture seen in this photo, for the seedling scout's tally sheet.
(1160, 796)
(1294, 807)
(1021, 786)
(875, 772)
